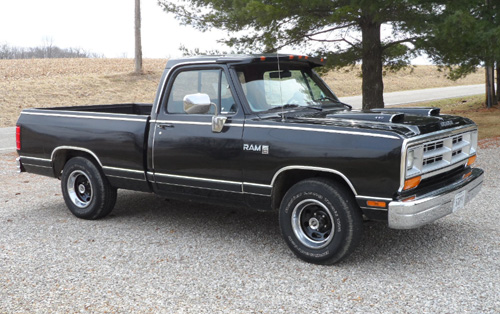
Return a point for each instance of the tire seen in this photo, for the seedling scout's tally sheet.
(320, 221)
(87, 193)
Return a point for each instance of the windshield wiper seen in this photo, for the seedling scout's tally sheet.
(333, 100)
(289, 106)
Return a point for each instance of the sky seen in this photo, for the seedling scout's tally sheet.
(103, 26)
(100, 26)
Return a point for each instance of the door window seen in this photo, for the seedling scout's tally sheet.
(211, 82)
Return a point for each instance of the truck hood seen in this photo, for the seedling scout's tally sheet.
(407, 122)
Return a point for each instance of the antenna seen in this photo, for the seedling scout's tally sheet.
(281, 93)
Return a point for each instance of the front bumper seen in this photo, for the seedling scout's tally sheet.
(434, 205)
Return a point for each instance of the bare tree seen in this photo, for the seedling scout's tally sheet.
(138, 46)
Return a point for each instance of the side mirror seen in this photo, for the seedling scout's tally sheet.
(197, 104)
(200, 104)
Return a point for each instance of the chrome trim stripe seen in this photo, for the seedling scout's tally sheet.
(75, 148)
(97, 113)
(123, 169)
(195, 123)
(126, 178)
(197, 179)
(39, 166)
(258, 194)
(374, 198)
(84, 117)
(198, 187)
(182, 122)
(258, 185)
(35, 158)
(314, 169)
(242, 184)
(309, 129)
(375, 208)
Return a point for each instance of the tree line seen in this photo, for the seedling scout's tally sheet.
(44, 51)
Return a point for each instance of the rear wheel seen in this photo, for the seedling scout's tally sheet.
(87, 193)
(320, 221)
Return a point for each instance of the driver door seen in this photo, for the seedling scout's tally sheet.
(188, 157)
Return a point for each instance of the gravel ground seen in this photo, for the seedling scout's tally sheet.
(154, 255)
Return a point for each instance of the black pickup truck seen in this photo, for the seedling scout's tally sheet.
(263, 132)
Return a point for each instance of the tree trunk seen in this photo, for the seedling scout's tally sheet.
(498, 83)
(490, 85)
(373, 85)
(138, 46)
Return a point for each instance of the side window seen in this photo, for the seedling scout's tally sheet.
(210, 82)
(227, 103)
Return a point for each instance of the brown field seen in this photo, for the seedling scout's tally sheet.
(472, 107)
(65, 82)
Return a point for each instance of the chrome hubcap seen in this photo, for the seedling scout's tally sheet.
(312, 224)
(79, 189)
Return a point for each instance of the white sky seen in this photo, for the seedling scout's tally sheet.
(104, 27)
(101, 26)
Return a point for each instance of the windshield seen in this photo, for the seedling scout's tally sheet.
(267, 88)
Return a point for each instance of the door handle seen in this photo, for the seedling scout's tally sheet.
(165, 125)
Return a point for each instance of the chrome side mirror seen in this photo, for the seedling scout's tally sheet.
(197, 104)
(200, 104)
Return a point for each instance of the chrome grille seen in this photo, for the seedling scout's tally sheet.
(434, 157)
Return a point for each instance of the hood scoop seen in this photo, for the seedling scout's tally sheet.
(393, 117)
(422, 111)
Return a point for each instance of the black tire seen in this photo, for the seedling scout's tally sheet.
(86, 190)
(320, 221)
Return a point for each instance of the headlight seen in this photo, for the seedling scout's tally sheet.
(410, 159)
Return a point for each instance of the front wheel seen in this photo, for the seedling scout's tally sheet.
(320, 221)
(87, 193)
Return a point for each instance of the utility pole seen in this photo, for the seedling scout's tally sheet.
(138, 46)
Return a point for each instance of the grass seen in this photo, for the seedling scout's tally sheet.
(37, 83)
(472, 107)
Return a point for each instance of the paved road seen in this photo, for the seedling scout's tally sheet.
(8, 142)
(413, 96)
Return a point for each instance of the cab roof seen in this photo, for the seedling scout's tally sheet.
(246, 59)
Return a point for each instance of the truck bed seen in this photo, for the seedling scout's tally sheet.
(131, 108)
(115, 136)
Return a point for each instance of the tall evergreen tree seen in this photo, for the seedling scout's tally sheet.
(465, 35)
(348, 31)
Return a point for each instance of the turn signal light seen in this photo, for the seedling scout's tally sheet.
(471, 160)
(412, 183)
(376, 204)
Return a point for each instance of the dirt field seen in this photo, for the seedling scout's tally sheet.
(62, 82)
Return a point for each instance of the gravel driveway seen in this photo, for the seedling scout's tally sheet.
(154, 255)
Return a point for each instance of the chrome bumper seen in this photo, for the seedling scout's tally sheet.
(432, 206)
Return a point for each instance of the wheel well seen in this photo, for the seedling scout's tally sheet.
(62, 156)
(289, 178)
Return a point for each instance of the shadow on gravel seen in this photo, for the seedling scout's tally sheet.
(441, 240)
(195, 219)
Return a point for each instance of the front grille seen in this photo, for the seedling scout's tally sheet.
(445, 152)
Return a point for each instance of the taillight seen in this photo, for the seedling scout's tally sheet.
(18, 137)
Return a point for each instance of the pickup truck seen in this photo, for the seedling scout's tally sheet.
(264, 132)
